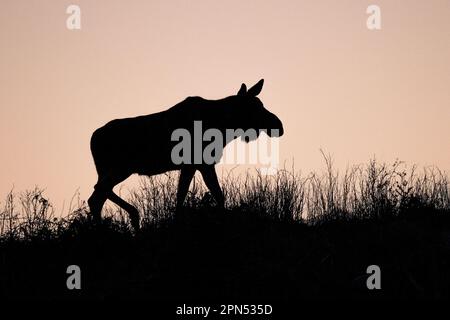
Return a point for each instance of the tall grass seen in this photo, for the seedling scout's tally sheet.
(376, 190)
(371, 191)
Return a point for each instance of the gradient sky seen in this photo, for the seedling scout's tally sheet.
(335, 84)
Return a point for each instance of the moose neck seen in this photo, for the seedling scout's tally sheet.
(222, 114)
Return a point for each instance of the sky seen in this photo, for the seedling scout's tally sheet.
(336, 85)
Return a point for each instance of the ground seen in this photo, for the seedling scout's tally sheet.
(212, 255)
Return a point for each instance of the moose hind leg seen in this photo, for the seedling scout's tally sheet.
(104, 190)
(95, 202)
(132, 211)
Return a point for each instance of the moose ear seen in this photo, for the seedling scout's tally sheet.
(243, 90)
(256, 89)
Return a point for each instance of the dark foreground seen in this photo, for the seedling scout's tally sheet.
(209, 256)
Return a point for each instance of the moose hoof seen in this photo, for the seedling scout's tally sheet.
(134, 219)
(95, 218)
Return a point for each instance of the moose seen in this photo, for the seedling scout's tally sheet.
(143, 145)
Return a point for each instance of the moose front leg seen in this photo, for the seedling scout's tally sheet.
(210, 177)
(186, 176)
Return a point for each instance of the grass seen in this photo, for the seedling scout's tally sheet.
(372, 191)
(285, 236)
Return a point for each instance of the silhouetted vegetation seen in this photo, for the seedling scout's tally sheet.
(285, 236)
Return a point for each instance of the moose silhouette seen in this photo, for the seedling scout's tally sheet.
(144, 144)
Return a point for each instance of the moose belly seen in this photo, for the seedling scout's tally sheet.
(153, 165)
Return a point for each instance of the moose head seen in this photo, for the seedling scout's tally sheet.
(253, 114)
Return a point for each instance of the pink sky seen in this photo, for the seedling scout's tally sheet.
(335, 84)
